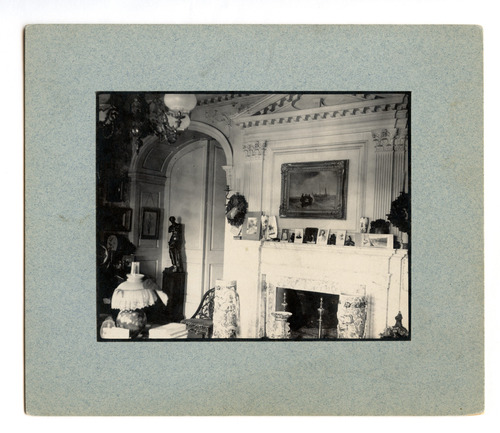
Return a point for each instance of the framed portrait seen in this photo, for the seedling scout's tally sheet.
(115, 219)
(310, 235)
(340, 238)
(314, 189)
(322, 237)
(150, 226)
(115, 190)
(298, 236)
(252, 226)
(284, 235)
(332, 238)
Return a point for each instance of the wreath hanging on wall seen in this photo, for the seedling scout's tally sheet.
(236, 209)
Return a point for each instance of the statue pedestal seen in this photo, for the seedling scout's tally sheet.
(174, 285)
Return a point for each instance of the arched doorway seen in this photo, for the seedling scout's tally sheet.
(195, 196)
(187, 180)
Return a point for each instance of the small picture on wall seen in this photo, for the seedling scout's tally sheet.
(252, 226)
(150, 228)
(322, 236)
(310, 235)
(340, 238)
(284, 235)
(299, 236)
(115, 219)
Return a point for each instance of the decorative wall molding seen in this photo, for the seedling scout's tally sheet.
(401, 139)
(223, 98)
(357, 109)
(217, 116)
(151, 178)
(383, 140)
(255, 149)
(281, 103)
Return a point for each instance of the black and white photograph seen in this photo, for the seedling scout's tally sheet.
(153, 152)
(322, 236)
(186, 191)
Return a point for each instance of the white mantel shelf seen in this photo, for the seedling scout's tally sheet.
(313, 248)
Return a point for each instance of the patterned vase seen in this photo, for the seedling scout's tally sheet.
(226, 310)
(351, 316)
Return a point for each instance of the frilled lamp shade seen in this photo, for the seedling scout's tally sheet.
(131, 297)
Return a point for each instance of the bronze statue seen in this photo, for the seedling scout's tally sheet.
(174, 244)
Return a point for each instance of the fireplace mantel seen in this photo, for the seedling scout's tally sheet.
(379, 274)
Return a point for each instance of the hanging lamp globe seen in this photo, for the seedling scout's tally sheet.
(183, 102)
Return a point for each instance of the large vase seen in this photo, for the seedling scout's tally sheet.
(226, 314)
(351, 316)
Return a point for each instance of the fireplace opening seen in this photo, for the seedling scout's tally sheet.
(313, 314)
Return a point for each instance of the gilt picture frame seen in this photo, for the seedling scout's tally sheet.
(314, 189)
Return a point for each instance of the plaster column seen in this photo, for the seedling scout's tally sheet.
(399, 181)
(400, 172)
(401, 144)
(254, 170)
(384, 160)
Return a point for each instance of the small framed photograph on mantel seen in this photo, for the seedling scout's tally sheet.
(340, 238)
(310, 235)
(322, 237)
(252, 226)
(298, 236)
(377, 240)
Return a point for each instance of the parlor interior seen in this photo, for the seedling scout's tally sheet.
(239, 143)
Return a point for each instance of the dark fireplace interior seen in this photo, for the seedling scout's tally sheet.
(305, 319)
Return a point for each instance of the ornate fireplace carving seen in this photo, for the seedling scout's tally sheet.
(368, 282)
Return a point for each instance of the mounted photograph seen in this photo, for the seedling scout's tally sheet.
(244, 216)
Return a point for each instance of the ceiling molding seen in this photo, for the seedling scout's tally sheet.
(360, 108)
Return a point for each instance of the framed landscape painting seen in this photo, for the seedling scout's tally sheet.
(314, 189)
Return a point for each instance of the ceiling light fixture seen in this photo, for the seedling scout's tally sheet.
(138, 115)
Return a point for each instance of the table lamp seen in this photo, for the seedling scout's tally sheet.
(131, 297)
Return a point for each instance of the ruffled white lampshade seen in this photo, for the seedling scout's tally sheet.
(132, 294)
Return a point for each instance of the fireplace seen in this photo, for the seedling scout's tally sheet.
(313, 314)
(369, 284)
